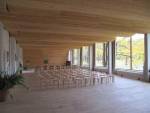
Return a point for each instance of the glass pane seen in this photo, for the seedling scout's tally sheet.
(138, 51)
(69, 55)
(98, 54)
(123, 58)
(85, 56)
(76, 56)
(101, 54)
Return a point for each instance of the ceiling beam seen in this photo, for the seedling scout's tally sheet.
(136, 10)
(76, 20)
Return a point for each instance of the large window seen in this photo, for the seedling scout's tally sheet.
(123, 58)
(85, 56)
(138, 51)
(130, 52)
(76, 56)
(101, 54)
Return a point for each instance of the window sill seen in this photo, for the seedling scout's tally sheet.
(129, 71)
(75, 65)
(85, 66)
(100, 67)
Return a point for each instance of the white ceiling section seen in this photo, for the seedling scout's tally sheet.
(79, 22)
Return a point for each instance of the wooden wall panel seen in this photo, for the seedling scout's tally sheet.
(35, 56)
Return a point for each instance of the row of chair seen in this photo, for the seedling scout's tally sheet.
(71, 77)
(56, 67)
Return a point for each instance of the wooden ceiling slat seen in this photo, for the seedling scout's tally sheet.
(44, 22)
(121, 8)
(79, 20)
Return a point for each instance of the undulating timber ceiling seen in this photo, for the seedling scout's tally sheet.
(72, 23)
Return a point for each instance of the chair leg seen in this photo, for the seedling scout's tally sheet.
(98, 80)
(93, 81)
(101, 80)
(85, 82)
(113, 79)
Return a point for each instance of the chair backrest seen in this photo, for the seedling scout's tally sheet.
(51, 67)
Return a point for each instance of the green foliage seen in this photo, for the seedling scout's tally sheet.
(123, 55)
(9, 81)
(101, 54)
(137, 53)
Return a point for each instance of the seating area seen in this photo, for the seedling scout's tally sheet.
(70, 77)
(74, 56)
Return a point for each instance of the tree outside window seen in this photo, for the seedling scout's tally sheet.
(85, 56)
(130, 52)
(76, 56)
(101, 54)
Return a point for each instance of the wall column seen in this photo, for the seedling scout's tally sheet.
(93, 59)
(4, 51)
(109, 57)
(1, 27)
(81, 56)
(12, 55)
(147, 58)
(113, 56)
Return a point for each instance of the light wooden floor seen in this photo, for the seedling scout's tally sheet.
(123, 96)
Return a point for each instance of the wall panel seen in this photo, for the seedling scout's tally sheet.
(4, 50)
(35, 56)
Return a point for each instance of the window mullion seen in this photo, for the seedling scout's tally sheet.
(131, 67)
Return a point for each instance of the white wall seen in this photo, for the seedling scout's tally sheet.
(4, 49)
(11, 54)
